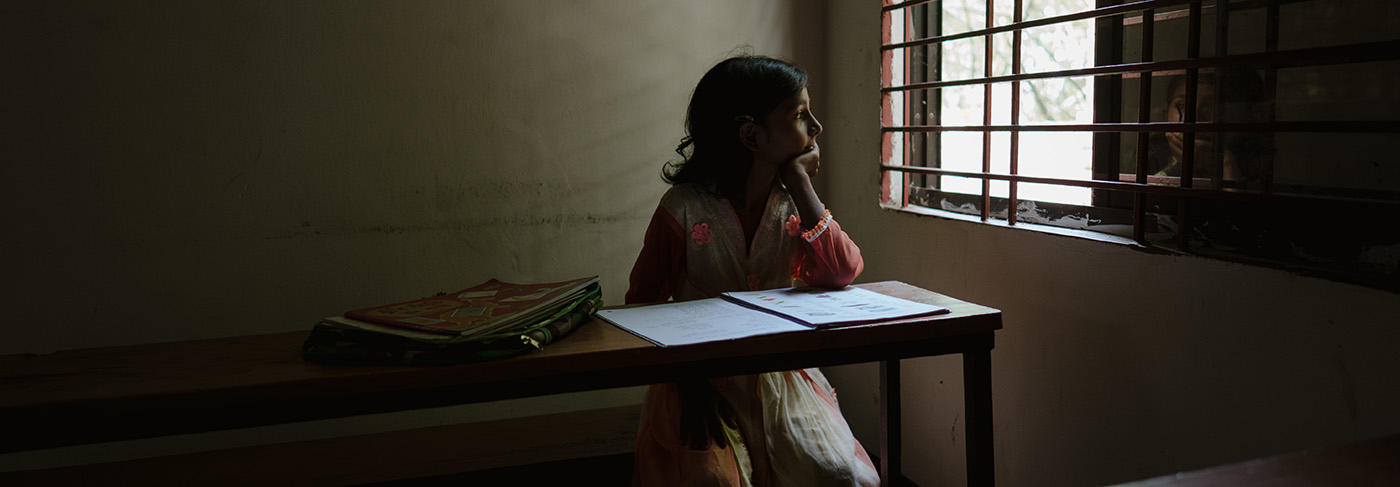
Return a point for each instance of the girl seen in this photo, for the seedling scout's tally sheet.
(742, 215)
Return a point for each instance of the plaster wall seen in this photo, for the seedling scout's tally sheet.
(187, 170)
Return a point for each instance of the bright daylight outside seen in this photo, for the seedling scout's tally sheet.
(1055, 47)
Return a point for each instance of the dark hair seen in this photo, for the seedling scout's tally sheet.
(735, 90)
(1239, 90)
(1239, 94)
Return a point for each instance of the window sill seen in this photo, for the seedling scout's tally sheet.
(1025, 226)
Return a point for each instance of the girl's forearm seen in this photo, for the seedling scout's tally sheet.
(799, 186)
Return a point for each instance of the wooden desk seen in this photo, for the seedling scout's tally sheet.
(141, 391)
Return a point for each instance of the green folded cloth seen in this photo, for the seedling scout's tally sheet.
(342, 340)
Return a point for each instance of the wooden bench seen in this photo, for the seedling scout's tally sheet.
(371, 458)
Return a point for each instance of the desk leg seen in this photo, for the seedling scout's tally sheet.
(977, 397)
(889, 423)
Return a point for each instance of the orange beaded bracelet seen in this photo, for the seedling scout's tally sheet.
(816, 231)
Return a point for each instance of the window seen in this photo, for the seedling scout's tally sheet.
(1260, 131)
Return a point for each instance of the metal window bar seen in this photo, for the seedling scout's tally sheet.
(1325, 126)
(1060, 19)
(1109, 38)
(1177, 191)
(1270, 88)
(904, 5)
(1222, 41)
(1188, 138)
(910, 67)
(920, 66)
(1315, 56)
(1017, 16)
(989, 48)
(1148, 20)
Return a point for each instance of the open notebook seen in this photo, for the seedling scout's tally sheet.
(751, 313)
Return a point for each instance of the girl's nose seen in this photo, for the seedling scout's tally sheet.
(815, 128)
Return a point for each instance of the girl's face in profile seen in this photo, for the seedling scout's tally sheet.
(790, 130)
(1176, 112)
(1205, 103)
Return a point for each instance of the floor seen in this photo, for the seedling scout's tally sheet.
(614, 470)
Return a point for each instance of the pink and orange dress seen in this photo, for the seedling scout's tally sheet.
(786, 428)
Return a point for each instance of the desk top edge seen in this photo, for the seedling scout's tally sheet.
(25, 376)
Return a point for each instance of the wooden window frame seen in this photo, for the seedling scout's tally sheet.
(1127, 198)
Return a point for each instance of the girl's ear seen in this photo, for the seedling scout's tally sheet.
(748, 135)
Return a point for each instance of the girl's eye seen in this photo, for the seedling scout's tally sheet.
(802, 114)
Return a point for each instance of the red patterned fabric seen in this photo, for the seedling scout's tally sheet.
(788, 429)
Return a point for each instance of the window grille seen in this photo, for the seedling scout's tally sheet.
(1261, 131)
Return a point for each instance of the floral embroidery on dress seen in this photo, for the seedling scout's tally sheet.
(701, 234)
(793, 226)
(753, 282)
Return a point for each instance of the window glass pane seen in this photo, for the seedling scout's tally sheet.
(913, 107)
(1040, 9)
(1247, 21)
(1001, 159)
(1053, 193)
(1171, 32)
(1056, 47)
(964, 59)
(962, 151)
(1336, 22)
(1004, 9)
(1336, 235)
(1127, 154)
(1158, 100)
(1057, 100)
(1001, 53)
(961, 105)
(1056, 154)
(1063, 155)
(1362, 161)
(1367, 91)
(1224, 95)
(963, 16)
